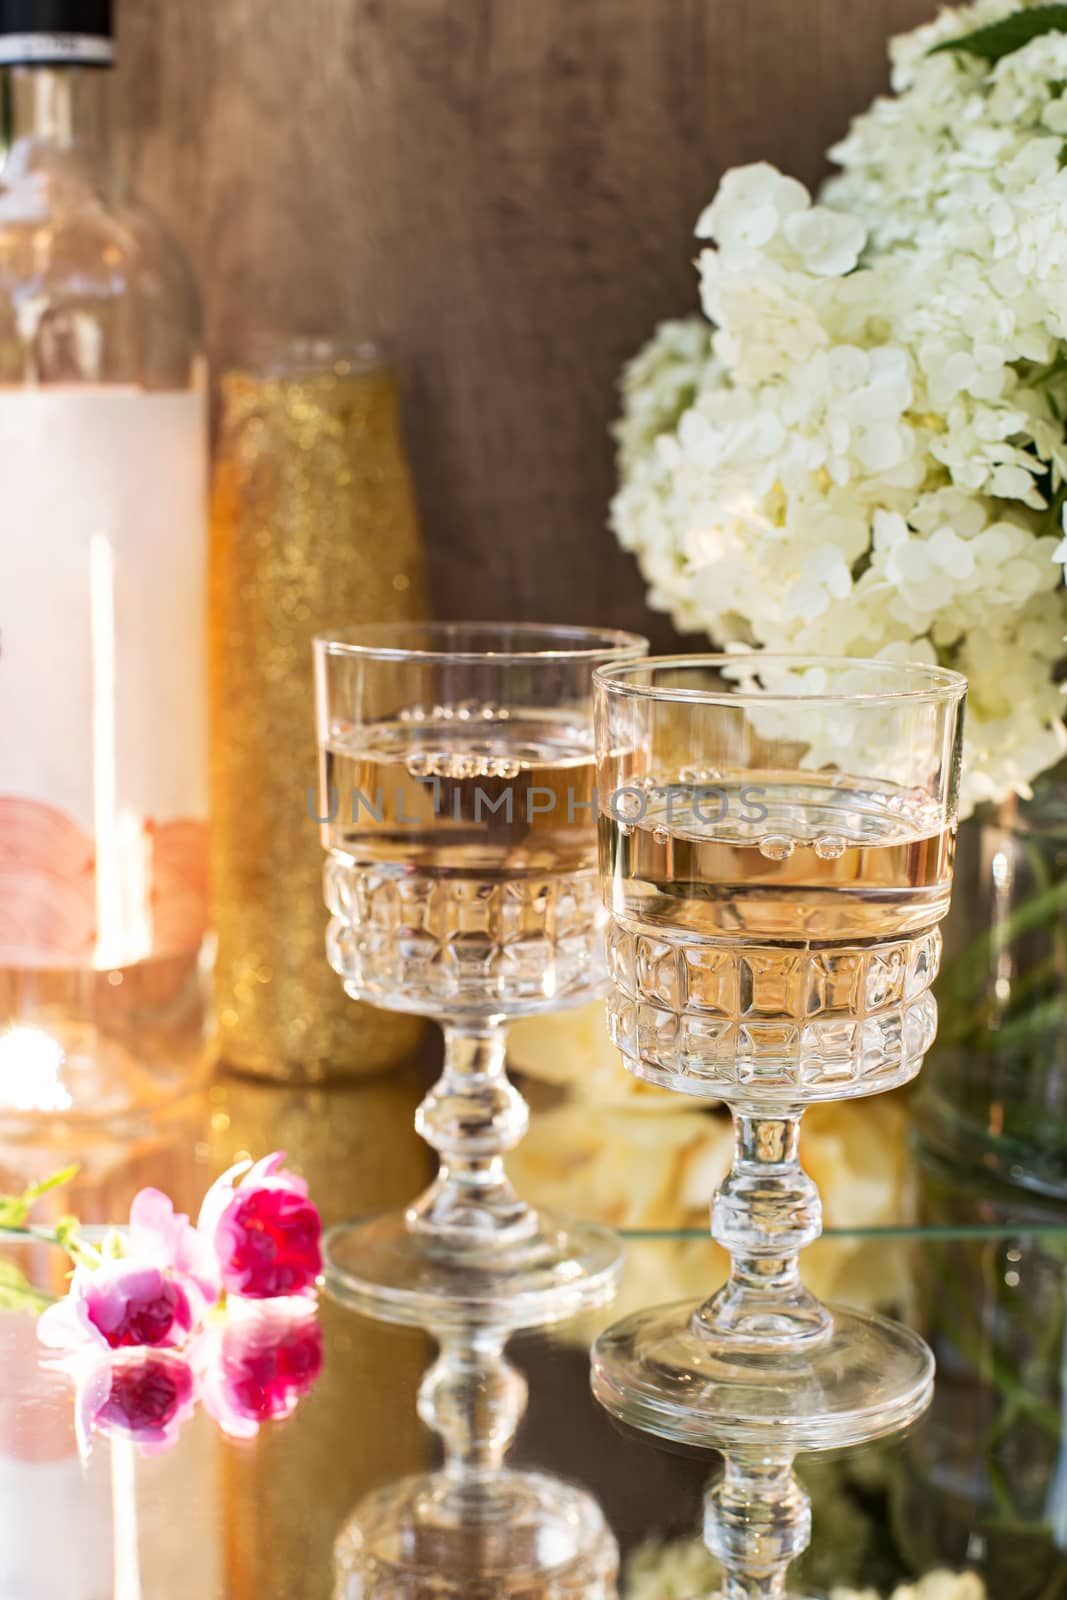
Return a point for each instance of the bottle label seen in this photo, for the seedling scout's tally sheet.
(103, 788)
(56, 49)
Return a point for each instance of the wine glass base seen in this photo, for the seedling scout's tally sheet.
(517, 1535)
(394, 1273)
(869, 1377)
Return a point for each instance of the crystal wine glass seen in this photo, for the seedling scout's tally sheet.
(776, 840)
(459, 813)
(476, 1529)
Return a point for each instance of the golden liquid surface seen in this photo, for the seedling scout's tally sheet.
(476, 793)
(796, 858)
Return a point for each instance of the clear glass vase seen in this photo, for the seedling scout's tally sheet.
(985, 1478)
(995, 1093)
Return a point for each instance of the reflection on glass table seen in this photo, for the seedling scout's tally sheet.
(475, 1529)
(979, 1486)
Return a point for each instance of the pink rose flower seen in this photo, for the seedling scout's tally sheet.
(116, 1305)
(167, 1239)
(144, 1395)
(155, 1294)
(265, 1230)
(255, 1366)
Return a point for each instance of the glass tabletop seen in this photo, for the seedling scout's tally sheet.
(979, 1486)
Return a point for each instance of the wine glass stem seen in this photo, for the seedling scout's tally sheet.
(757, 1520)
(471, 1117)
(473, 1399)
(766, 1212)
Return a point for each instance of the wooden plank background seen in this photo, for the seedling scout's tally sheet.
(505, 191)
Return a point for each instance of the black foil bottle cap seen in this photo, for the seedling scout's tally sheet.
(77, 33)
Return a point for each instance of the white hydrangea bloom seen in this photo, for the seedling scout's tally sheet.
(676, 1569)
(862, 450)
(659, 383)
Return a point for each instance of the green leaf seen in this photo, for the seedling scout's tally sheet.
(81, 1252)
(113, 1247)
(15, 1208)
(17, 1293)
(969, 968)
(1003, 38)
(56, 1181)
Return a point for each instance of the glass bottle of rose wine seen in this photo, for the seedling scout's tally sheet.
(102, 604)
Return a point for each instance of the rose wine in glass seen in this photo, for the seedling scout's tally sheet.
(458, 811)
(776, 844)
(487, 810)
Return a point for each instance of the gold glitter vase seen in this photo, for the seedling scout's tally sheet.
(313, 527)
